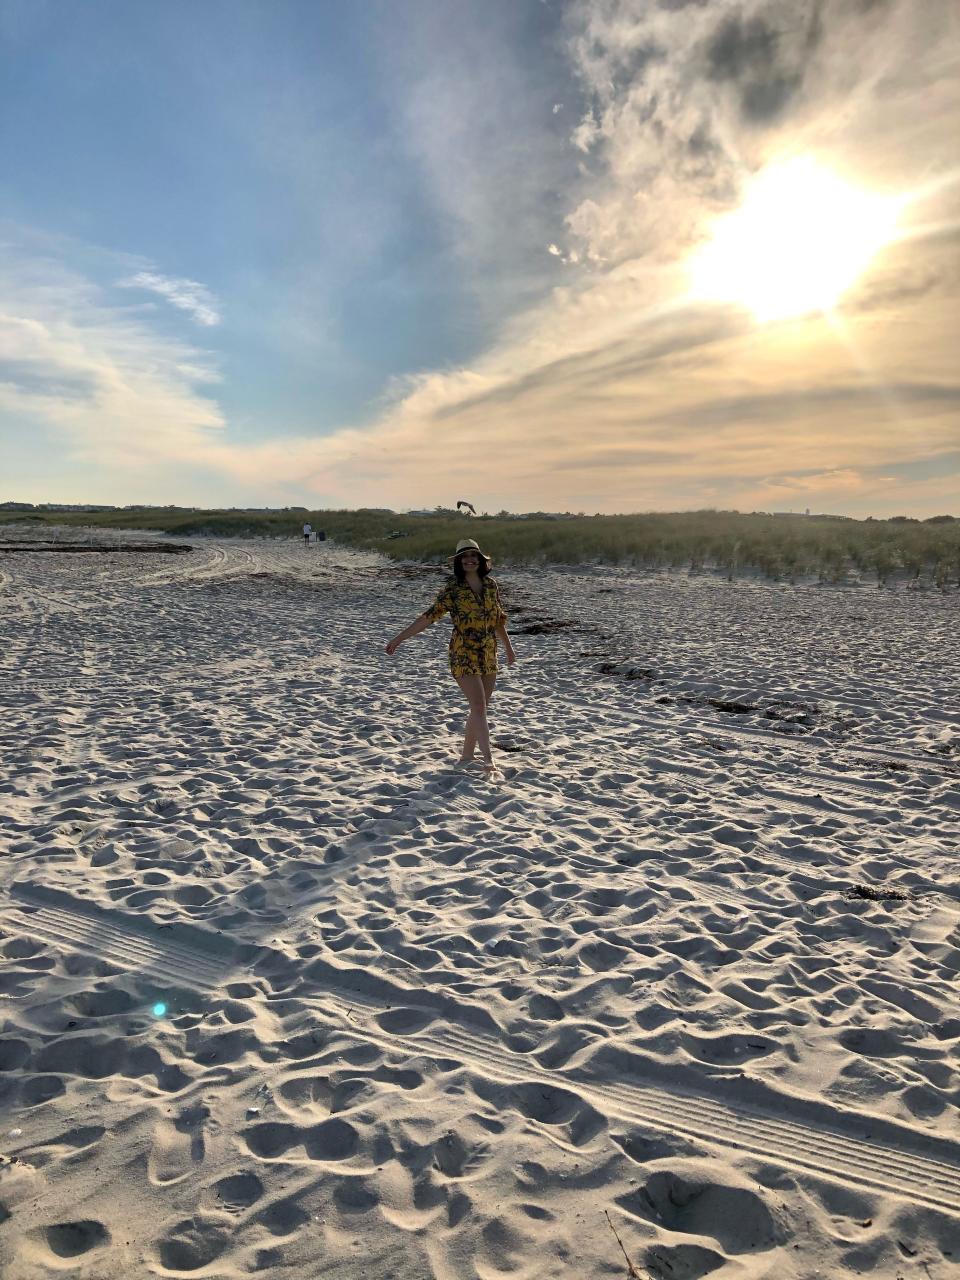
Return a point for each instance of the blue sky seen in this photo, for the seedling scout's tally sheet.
(261, 148)
(332, 253)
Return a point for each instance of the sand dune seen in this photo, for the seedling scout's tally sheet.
(285, 994)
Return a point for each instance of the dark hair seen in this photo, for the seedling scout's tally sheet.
(483, 568)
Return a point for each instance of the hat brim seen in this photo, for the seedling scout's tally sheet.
(469, 551)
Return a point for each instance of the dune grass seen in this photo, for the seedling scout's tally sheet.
(787, 547)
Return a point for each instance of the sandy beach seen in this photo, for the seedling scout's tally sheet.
(284, 993)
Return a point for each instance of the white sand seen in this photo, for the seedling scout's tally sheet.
(422, 1025)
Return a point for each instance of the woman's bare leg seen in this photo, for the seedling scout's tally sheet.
(469, 737)
(474, 692)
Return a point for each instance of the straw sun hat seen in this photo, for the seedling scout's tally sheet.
(468, 544)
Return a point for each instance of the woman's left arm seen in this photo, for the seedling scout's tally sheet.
(505, 641)
(500, 626)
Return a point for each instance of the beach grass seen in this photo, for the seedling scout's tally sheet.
(781, 547)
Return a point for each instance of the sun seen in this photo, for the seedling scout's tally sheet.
(798, 242)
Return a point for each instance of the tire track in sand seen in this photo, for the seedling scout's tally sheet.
(822, 1144)
(815, 1137)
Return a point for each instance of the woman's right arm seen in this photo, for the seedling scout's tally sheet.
(429, 616)
(414, 629)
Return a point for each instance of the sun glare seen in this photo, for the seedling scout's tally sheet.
(798, 242)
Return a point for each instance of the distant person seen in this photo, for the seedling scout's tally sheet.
(472, 599)
(306, 535)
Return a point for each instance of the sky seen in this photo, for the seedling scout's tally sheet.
(561, 255)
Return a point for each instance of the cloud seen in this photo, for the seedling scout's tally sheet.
(764, 60)
(120, 394)
(845, 481)
(686, 101)
(787, 404)
(187, 295)
(856, 492)
(475, 90)
(33, 378)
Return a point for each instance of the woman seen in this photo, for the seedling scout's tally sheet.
(472, 599)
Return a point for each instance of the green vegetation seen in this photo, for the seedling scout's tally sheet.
(787, 547)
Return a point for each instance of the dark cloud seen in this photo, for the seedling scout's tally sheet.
(740, 48)
(701, 142)
(766, 99)
(764, 64)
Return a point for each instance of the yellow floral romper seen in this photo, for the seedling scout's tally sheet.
(473, 644)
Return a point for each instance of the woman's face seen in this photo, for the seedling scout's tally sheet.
(470, 562)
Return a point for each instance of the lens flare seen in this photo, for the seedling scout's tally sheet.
(159, 1009)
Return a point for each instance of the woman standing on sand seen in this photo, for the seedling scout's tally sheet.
(472, 599)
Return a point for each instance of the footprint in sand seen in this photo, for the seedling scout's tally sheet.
(687, 1197)
(68, 1240)
(40, 1089)
(683, 1261)
(355, 1196)
(312, 1094)
(236, 1192)
(455, 1158)
(502, 1248)
(178, 1146)
(330, 1140)
(13, 1054)
(271, 1141)
(284, 1217)
(104, 1003)
(195, 1242)
(405, 1022)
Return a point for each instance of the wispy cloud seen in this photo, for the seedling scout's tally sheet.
(478, 115)
(187, 295)
(121, 394)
